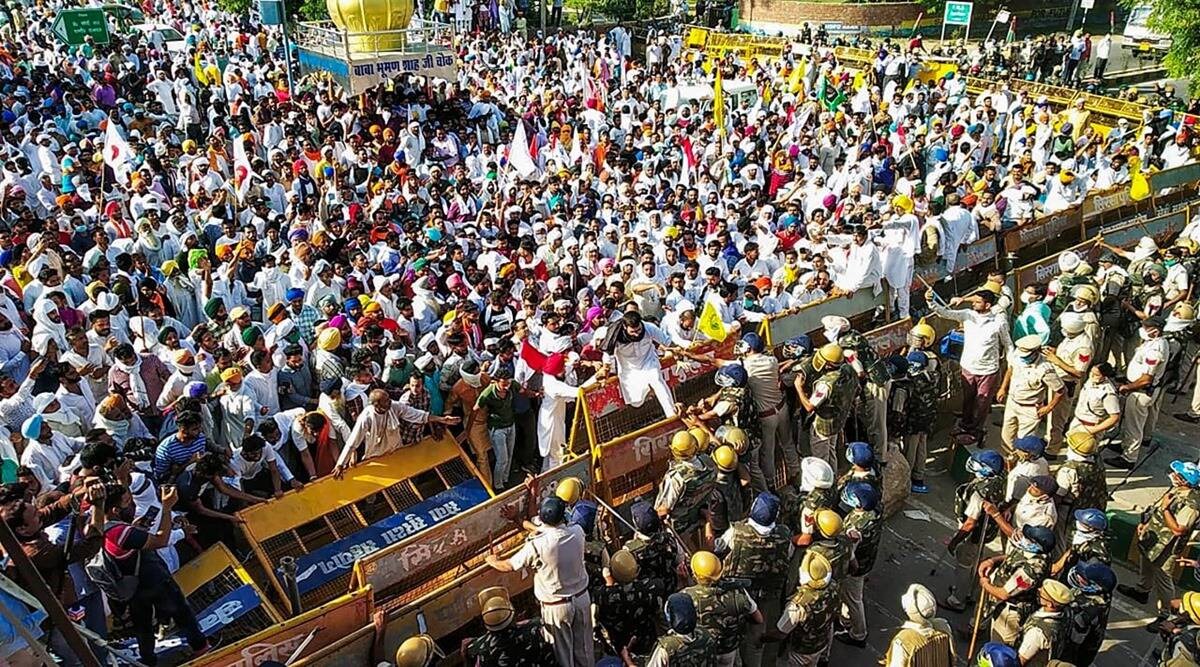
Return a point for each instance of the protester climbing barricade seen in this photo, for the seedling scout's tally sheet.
(330, 523)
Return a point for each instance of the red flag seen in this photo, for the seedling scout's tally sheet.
(533, 146)
(532, 357)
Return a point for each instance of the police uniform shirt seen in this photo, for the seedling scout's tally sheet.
(793, 615)
(1149, 359)
(1034, 639)
(1031, 382)
(1021, 580)
(672, 486)
(1077, 352)
(1096, 402)
(822, 389)
(1021, 473)
(557, 554)
(974, 508)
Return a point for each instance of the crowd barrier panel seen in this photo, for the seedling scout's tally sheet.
(353, 649)
(330, 523)
(429, 560)
(858, 307)
(320, 627)
(227, 601)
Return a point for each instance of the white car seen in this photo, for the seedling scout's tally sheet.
(162, 36)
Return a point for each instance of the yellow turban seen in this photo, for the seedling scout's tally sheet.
(329, 339)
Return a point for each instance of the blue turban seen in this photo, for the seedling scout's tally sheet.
(681, 613)
(765, 509)
(645, 519)
(584, 516)
(32, 427)
(295, 293)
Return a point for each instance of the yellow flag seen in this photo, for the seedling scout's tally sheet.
(1139, 185)
(198, 71)
(710, 323)
(719, 104)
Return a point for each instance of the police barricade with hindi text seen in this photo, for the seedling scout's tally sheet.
(438, 573)
(307, 633)
(859, 308)
(227, 601)
(330, 523)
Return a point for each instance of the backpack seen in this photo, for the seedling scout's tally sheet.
(103, 570)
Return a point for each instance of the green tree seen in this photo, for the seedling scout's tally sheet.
(1180, 19)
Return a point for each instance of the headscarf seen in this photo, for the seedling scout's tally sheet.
(45, 329)
(138, 396)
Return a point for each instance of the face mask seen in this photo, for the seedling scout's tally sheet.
(1029, 358)
(1082, 535)
(1028, 298)
(1143, 334)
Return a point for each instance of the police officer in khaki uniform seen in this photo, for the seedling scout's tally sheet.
(1030, 391)
(923, 640)
(683, 498)
(1071, 360)
(722, 610)
(1044, 634)
(1141, 391)
(758, 551)
(1098, 408)
(1165, 530)
(1081, 483)
(1010, 581)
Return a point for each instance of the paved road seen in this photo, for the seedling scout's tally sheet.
(912, 546)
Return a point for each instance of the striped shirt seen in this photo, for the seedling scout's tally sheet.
(172, 452)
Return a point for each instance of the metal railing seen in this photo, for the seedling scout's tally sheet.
(423, 36)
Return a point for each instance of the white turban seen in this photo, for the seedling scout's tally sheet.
(919, 603)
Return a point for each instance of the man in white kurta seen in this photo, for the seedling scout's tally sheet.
(378, 429)
(552, 416)
(631, 347)
(863, 267)
(899, 245)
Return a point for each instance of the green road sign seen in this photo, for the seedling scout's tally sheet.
(72, 26)
(957, 13)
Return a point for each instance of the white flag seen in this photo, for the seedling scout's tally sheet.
(243, 172)
(519, 157)
(116, 149)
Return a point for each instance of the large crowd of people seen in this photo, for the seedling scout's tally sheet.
(218, 288)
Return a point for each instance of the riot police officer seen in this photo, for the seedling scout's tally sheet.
(863, 524)
(868, 369)
(1085, 541)
(1181, 634)
(863, 467)
(807, 620)
(727, 504)
(418, 651)
(626, 607)
(802, 502)
(924, 640)
(683, 497)
(997, 654)
(832, 544)
(1081, 482)
(832, 393)
(987, 485)
(722, 610)
(656, 551)
(508, 642)
(733, 407)
(757, 551)
(1165, 529)
(1043, 634)
(1093, 583)
(1098, 408)
(1032, 389)
(1007, 579)
(685, 644)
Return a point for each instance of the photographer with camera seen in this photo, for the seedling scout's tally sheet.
(136, 579)
(83, 511)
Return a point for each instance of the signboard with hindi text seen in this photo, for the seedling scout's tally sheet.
(360, 75)
(74, 26)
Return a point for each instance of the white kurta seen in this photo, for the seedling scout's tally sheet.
(900, 238)
(552, 417)
(639, 370)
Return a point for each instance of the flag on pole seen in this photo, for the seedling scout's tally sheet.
(710, 323)
(519, 155)
(116, 150)
(532, 356)
(719, 104)
(1139, 185)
